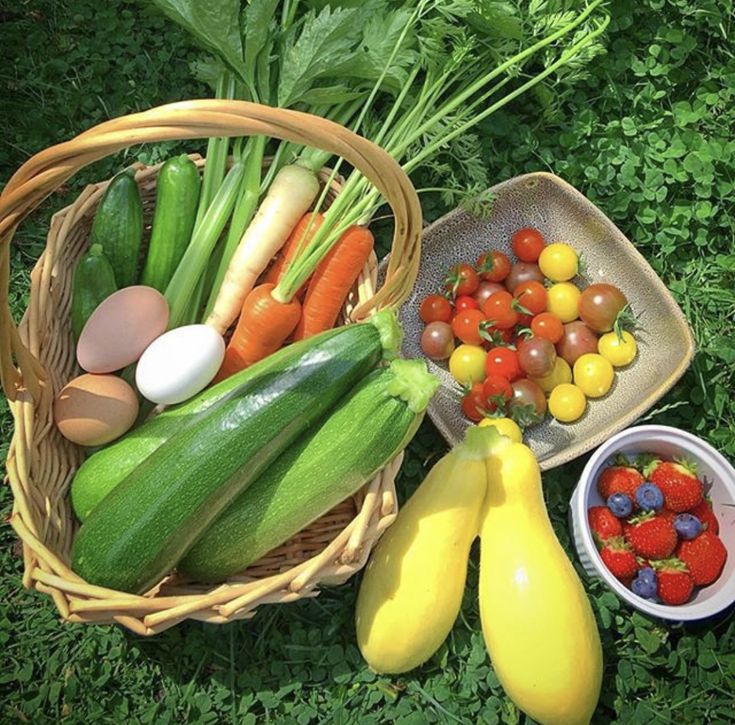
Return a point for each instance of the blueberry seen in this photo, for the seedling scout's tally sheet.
(649, 497)
(647, 574)
(687, 526)
(646, 588)
(620, 505)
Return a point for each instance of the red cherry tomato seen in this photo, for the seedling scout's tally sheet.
(548, 326)
(493, 266)
(503, 361)
(461, 280)
(527, 244)
(466, 326)
(475, 403)
(499, 310)
(497, 390)
(495, 337)
(435, 308)
(532, 296)
(465, 302)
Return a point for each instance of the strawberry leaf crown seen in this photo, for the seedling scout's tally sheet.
(673, 564)
(642, 517)
(620, 459)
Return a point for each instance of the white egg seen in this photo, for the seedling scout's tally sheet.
(179, 364)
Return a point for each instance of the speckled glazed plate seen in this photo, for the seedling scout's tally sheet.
(561, 213)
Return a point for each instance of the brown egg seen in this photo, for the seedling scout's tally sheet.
(95, 409)
(121, 328)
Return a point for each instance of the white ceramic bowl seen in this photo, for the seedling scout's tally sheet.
(712, 466)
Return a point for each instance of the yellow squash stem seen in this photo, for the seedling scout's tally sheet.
(537, 621)
(412, 590)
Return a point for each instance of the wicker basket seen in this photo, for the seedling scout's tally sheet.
(38, 358)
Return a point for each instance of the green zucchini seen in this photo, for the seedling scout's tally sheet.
(118, 226)
(93, 281)
(365, 432)
(143, 527)
(177, 192)
(106, 468)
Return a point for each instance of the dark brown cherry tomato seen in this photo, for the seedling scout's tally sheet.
(523, 272)
(527, 244)
(600, 305)
(536, 356)
(435, 308)
(503, 361)
(493, 266)
(532, 296)
(528, 405)
(437, 340)
(577, 339)
(461, 280)
(485, 289)
(548, 326)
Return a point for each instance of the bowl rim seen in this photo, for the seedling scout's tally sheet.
(578, 506)
(580, 447)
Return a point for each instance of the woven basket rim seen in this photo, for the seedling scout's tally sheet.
(34, 515)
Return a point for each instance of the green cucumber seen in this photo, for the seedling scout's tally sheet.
(93, 282)
(118, 226)
(362, 435)
(177, 193)
(143, 527)
(106, 468)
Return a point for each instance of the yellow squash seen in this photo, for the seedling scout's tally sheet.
(412, 588)
(537, 621)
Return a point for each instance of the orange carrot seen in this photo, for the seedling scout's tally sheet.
(263, 327)
(332, 281)
(300, 237)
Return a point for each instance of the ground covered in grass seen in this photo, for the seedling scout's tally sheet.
(648, 137)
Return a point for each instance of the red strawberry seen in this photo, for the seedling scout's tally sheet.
(703, 511)
(665, 513)
(674, 582)
(651, 535)
(619, 479)
(619, 558)
(704, 555)
(678, 482)
(603, 524)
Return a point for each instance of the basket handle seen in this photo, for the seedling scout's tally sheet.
(43, 173)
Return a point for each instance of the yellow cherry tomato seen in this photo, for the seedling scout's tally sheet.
(505, 426)
(467, 364)
(558, 262)
(619, 351)
(562, 299)
(561, 373)
(593, 374)
(567, 403)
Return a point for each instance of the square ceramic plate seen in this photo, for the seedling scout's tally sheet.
(561, 213)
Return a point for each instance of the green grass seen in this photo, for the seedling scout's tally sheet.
(648, 137)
